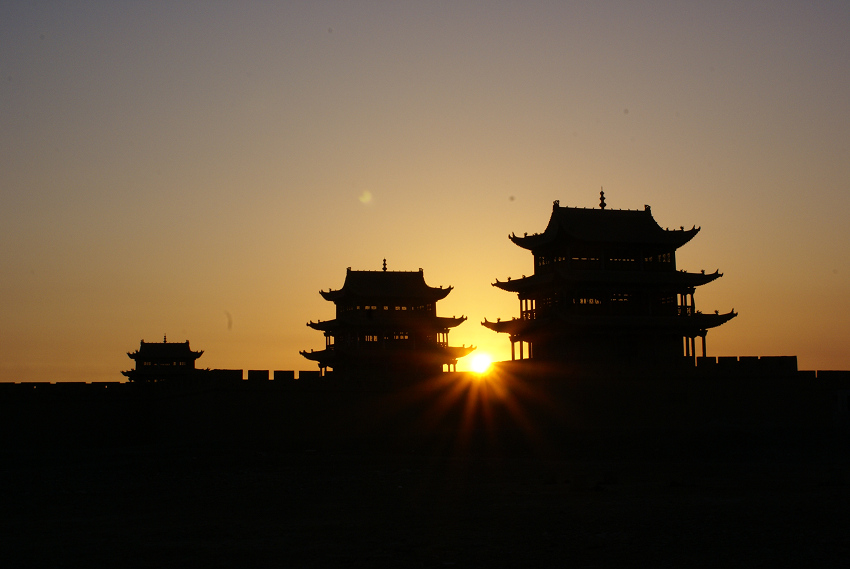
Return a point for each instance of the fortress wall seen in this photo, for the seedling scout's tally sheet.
(517, 402)
(833, 375)
(309, 375)
(748, 366)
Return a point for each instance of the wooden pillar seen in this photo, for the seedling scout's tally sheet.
(703, 345)
(513, 355)
(520, 350)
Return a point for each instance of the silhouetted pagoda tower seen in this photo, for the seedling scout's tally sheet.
(606, 292)
(157, 361)
(386, 324)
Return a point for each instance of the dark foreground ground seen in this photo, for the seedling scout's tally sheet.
(518, 486)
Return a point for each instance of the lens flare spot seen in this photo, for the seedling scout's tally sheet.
(481, 363)
(365, 197)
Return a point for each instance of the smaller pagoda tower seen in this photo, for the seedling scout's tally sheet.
(165, 361)
(386, 324)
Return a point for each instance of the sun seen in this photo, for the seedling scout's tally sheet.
(481, 363)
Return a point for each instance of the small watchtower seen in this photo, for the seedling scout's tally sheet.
(162, 361)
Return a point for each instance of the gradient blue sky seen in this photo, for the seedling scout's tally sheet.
(197, 168)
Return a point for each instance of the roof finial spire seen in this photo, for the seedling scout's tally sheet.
(164, 338)
(601, 198)
(385, 265)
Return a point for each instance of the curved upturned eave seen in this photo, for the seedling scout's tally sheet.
(435, 354)
(524, 283)
(457, 352)
(137, 354)
(434, 323)
(333, 295)
(670, 237)
(531, 242)
(323, 325)
(707, 321)
(682, 324)
(655, 278)
(450, 321)
(604, 226)
(515, 326)
(321, 356)
(431, 295)
(686, 235)
(439, 354)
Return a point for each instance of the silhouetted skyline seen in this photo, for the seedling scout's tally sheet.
(202, 171)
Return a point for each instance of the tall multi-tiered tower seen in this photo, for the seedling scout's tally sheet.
(386, 323)
(605, 290)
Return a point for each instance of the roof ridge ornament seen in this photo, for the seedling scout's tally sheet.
(601, 198)
(385, 265)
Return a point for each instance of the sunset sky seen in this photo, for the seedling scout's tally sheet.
(203, 169)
